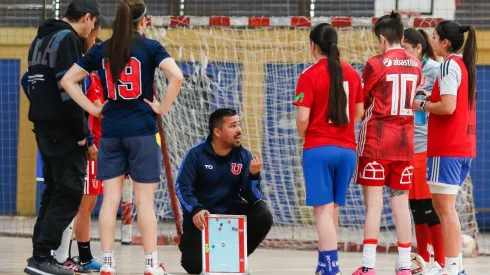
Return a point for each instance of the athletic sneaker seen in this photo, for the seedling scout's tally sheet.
(364, 271)
(49, 266)
(403, 272)
(160, 270)
(433, 268)
(107, 270)
(70, 264)
(462, 272)
(93, 264)
(448, 270)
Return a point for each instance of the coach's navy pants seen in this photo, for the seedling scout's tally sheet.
(259, 222)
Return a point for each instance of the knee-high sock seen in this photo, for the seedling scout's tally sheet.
(63, 252)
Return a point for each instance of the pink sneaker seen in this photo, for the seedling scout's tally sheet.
(369, 272)
(403, 272)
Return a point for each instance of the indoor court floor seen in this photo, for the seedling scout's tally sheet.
(129, 259)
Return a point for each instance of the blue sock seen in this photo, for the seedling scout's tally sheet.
(329, 261)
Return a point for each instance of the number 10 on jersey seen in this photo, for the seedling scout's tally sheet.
(399, 93)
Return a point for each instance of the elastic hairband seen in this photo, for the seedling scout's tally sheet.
(141, 16)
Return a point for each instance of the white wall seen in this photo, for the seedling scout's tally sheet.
(442, 8)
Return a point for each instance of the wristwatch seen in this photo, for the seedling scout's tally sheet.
(422, 105)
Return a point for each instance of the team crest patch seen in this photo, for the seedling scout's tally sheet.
(236, 168)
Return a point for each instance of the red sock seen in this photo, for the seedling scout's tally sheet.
(422, 235)
(438, 244)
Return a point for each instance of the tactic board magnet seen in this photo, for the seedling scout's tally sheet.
(224, 242)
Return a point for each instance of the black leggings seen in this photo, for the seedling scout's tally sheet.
(423, 212)
(259, 222)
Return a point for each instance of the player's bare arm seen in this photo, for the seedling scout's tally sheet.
(446, 106)
(173, 72)
(92, 152)
(359, 112)
(70, 85)
(302, 120)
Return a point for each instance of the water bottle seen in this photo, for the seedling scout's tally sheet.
(420, 116)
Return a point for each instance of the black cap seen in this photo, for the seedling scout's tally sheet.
(89, 6)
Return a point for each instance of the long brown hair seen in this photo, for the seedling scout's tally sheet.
(118, 48)
(454, 33)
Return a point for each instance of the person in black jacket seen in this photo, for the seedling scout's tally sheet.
(60, 127)
(219, 176)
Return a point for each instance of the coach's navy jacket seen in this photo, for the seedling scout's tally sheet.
(215, 183)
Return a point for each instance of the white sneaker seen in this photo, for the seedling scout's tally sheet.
(160, 270)
(449, 270)
(107, 270)
(433, 268)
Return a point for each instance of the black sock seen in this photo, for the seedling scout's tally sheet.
(84, 252)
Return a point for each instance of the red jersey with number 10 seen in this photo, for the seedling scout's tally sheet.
(390, 83)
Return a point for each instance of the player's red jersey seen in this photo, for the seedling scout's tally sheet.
(390, 83)
(313, 91)
(452, 135)
(94, 92)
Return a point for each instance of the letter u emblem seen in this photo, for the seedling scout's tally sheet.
(236, 168)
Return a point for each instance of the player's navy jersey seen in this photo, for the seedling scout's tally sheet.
(126, 114)
(452, 135)
(390, 83)
(313, 92)
(430, 71)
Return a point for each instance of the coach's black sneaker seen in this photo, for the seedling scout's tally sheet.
(47, 267)
(70, 264)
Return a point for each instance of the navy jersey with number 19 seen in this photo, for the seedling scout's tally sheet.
(126, 114)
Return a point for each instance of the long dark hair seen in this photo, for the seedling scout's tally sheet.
(118, 48)
(326, 38)
(415, 37)
(454, 33)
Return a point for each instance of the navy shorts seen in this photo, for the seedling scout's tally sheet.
(140, 157)
(328, 170)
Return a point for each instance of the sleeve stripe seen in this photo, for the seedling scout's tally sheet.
(445, 68)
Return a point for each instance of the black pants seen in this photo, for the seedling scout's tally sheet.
(259, 222)
(64, 168)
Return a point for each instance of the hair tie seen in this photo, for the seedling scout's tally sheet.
(464, 29)
(141, 16)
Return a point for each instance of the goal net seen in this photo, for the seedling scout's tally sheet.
(254, 69)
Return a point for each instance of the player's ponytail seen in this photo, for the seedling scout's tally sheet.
(454, 33)
(428, 51)
(118, 48)
(469, 59)
(325, 36)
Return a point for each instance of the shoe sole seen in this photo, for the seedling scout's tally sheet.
(34, 271)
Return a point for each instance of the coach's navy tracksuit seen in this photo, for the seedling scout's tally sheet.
(221, 185)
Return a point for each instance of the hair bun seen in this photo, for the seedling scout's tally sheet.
(464, 29)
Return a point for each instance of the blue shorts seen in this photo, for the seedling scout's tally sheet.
(328, 170)
(140, 157)
(447, 171)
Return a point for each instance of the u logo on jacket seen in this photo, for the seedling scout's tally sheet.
(236, 168)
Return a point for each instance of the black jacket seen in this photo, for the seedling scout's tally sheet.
(52, 53)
